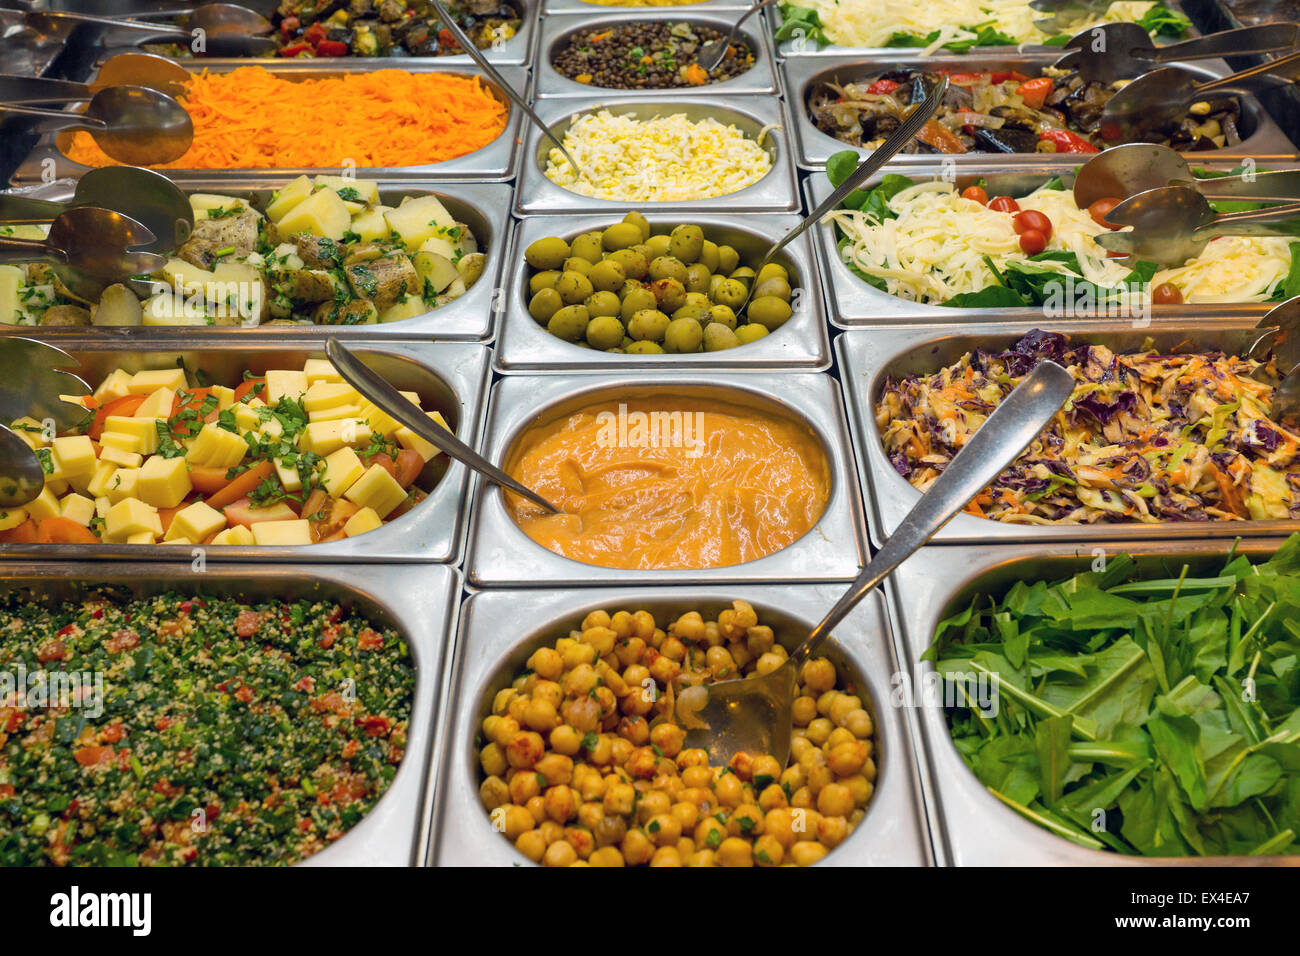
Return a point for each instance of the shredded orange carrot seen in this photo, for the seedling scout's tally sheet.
(250, 118)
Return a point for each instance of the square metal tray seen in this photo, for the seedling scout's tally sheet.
(501, 555)
(524, 345)
(499, 631)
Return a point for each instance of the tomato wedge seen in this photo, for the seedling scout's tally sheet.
(64, 531)
(248, 385)
(334, 514)
(24, 533)
(242, 511)
(188, 429)
(409, 464)
(208, 481)
(126, 405)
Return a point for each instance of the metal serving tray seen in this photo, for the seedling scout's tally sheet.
(851, 303)
(501, 555)
(803, 47)
(801, 74)
(800, 343)
(550, 7)
(970, 825)
(760, 78)
(493, 644)
(25, 52)
(775, 192)
(484, 207)
(868, 359)
(419, 601)
(495, 162)
(450, 377)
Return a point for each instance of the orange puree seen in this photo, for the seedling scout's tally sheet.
(670, 483)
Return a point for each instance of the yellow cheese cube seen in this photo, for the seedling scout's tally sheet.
(214, 447)
(164, 482)
(239, 534)
(377, 420)
(130, 516)
(31, 431)
(320, 370)
(141, 537)
(323, 395)
(409, 439)
(324, 438)
(289, 477)
(119, 458)
(122, 485)
(102, 504)
(271, 428)
(74, 455)
(56, 486)
(142, 383)
(158, 404)
(342, 469)
(297, 531)
(351, 410)
(361, 522)
(77, 508)
(45, 505)
(102, 477)
(12, 518)
(139, 435)
(196, 522)
(284, 383)
(116, 386)
(246, 417)
(225, 396)
(376, 489)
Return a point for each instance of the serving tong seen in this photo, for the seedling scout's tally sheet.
(1282, 336)
(33, 376)
(227, 29)
(1123, 171)
(1119, 51)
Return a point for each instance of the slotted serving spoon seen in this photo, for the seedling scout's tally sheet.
(1124, 171)
(132, 124)
(1173, 224)
(35, 376)
(1118, 51)
(1282, 325)
(715, 51)
(389, 400)
(226, 29)
(754, 714)
(145, 196)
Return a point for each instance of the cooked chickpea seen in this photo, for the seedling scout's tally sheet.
(664, 829)
(560, 853)
(819, 730)
(493, 792)
(807, 852)
(769, 662)
(735, 852)
(858, 723)
(847, 758)
(835, 800)
(805, 710)
(637, 848)
(668, 738)
(532, 845)
(565, 740)
(492, 759)
(606, 856)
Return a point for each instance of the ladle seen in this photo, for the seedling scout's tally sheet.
(1124, 171)
(132, 124)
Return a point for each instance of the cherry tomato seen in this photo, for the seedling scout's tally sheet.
(1032, 219)
(1100, 209)
(1032, 242)
(1004, 204)
(976, 194)
(1166, 293)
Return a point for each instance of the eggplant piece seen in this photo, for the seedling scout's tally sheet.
(958, 98)
(883, 126)
(1005, 140)
(921, 84)
(341, 35)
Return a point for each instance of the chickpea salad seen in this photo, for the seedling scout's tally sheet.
(1145, 437)
(228, 733)
(576, 769)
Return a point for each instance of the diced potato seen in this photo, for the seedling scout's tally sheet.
(77, 508)
(408, 309)
(372, 224)
(56, 486)
(287, 198)
(74, 455)
(409, 439)
(246, 417)
(163, 482)
(362, 521)
(367, 190)
(269, 429)
(141, 537)
(202, 202)
(418, 218)
(297, 531)
(122, 485)
(322, 213)
(130, 516)
(184, 276)
(214, 447)
(142, 383)
(342, 469)
(225, 396)
(379, 420)
(196, 522)
(324, 438)
(321, 370)
(281, 383)
(439, 246)
(237, 289)
(118, 305)
(289, 477)
(131, 433)
(239, 535)
(158, 404)
(434, 269)
(116, 386)
(12, 279)
(102, 478)
(45, 505)
(102, 504)
(166, 309)
(285, 258)
(376, 489)
(12, 518)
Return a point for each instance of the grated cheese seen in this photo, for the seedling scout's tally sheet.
(662, 159)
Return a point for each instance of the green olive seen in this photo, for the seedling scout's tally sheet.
(621, 235)
(648, 325)
(574, 287)
(640, 221)
(773, 270)
(709, 255)
(683, 335)
(570, 323)
(730, 292)
(545, 304)
(669, 293)
(750, 333)
(608, 276)
(629, 286)
(699, 313)
(632, 262)
(774, 285)
(636, 300)
(589, 246)
(686, 243)
(577, 264)
(543, 280)
(697, 278)
(728, 259)
(605, 332)
(744, 274)
(657, 246)
(645, 347)
(602, 303)
(769, 312)
(668, 267)
(547, 253)
(696, 298)
(723, 315)
(718, 337)
(715, 283)
(627, 341)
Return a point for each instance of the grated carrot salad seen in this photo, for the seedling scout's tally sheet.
(250, 118)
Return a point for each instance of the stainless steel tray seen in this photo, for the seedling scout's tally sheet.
(851, 303)
(550, 7)
(501, 555)
(800, 343)
(760, 78)
(25, 52)
(800, 74)
(775, 192)
(485, 207)
(971, 826)
(449, 377)
(419, 601)
(495, 162)
(867, 360)
(499, 631)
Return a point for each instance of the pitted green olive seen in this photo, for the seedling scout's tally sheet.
(548, 253)
(570, 323)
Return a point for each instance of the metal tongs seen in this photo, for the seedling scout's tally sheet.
(1282, 323)
(33, 376)
(224, 29)
(1124, 171)
(1119, 51)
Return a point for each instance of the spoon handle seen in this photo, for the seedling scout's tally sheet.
(1004, 435)
(754, 8)
(22, 210)
(36, 19)
(1263, 38)
(388, 399)
(1256, 222)
(1267, 75)
(1269, 184)
(50, 121)
(27, 250)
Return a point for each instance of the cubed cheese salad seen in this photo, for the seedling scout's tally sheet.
(292, 457)
(325, 251)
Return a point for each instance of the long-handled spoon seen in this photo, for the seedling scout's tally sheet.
(1118, 51)
(1124, 171)
(32, 377)
(89, 248)
(133, 125)
(754, 714)
(226, 29)
(477, 56)
(390, 400)
(715, 51)
(125, 69)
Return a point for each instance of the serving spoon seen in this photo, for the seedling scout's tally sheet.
(1282, 325)
(132, 124)
(1124, 171)
(755, 714)
(35, 376)
(227, 29)
(89, 248)
(125, 69)
(715, 51)
(389, 400)
(1118, 51)
(1173, 224)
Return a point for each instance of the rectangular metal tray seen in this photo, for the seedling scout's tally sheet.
(547, 81)
(501, 555)
(800, 74)
(971, 827)
(450, 377)
(867, 359)
(550, 7)
(485, 207)
(419, 601)
(775, 192)
(852, 304)
(25, 52)
(802, 342)
(495, 162)
(499, 630)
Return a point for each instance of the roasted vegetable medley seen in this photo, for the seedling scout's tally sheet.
(1146, 437)
(573, 773)
(203, 731)
(655, 54)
